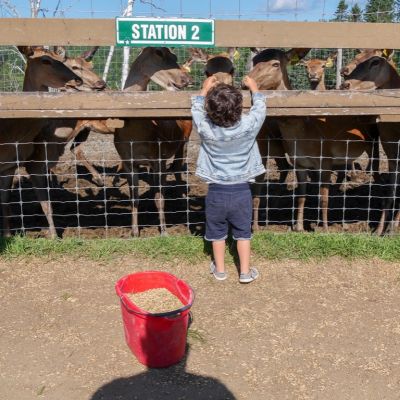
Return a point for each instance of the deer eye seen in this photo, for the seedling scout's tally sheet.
(276, 64)
(375, 63)
(46, 61)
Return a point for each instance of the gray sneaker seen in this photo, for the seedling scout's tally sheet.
(219, 276)
(250, 277)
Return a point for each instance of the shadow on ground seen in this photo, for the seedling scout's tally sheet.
(172, 383)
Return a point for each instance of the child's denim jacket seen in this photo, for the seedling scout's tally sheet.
(229, 155)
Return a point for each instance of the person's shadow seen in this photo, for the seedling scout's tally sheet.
(172, 383)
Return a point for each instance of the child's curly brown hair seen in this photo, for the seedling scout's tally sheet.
(224, 104)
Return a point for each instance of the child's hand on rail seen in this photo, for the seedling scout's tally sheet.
(208, 84)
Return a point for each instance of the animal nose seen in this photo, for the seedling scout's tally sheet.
(78, 81)
(344, 71)
(187, 80)
(100, 84)
(345, 86)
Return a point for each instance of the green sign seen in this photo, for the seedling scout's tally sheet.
(139, 32)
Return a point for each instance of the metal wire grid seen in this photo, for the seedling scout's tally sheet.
(12, 66)
(81, 208)
(239, 9)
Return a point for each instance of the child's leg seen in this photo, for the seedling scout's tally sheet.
(243, 249)
(219, 254)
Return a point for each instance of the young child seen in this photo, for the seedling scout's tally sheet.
(228, 160)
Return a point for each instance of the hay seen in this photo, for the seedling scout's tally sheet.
(155, 301)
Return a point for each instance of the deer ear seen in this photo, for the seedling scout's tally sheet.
(88, 55)
(186, 68)
(233, 53)
(295, 55)
(329, 62)
(302, 62)
(388, 54)
(60, 51)
(27, 51)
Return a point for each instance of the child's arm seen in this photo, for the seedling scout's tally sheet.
(198, 113)
(258, 110)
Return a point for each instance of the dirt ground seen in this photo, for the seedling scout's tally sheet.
(304, 330)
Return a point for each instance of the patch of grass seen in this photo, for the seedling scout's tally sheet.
(41, 390)
(193, 249)
(195, 335)
(317, 245)
(66, 296)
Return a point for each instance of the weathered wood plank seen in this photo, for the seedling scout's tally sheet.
(162, 104)
(101, 32)
(306, 34)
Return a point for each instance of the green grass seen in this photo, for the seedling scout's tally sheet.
(266, 245)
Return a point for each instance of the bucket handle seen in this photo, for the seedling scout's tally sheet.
(175, 313)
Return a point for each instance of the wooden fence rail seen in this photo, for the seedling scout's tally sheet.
(101, 32)
(163, 104)
(26, 31)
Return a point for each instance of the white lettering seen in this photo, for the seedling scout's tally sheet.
(166, 37)
(173, 32)
(152, 32)
(182, 32)
(144, 29)
(159, 31)
(195, 32)
(135, 32)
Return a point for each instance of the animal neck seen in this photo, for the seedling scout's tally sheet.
(318, 85)
(136, 81)
(31, 85)
(394, 80)
(285, 83)
(134, 86)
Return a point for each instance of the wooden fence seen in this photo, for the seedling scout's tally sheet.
(91, 32)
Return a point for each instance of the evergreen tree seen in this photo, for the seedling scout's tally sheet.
(355, 13)
(397, 10)
(380, 11)
(341, 11)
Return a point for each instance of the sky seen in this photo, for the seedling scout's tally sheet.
(288, 10)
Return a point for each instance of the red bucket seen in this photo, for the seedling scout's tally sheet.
(157, 340)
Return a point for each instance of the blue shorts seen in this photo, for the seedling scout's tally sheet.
(228, 205)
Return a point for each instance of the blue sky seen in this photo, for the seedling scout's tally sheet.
(289, 10)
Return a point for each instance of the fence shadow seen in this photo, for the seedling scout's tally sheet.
(361, 203)
(94, 208)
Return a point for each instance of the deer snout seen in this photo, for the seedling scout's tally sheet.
(345, 85)
(187, 80)
(344, 71)
(73, 83)
(100, 84)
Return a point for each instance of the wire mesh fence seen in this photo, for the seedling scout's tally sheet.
(12, 66)
(292, 10)
(63, 190)
(81, 207)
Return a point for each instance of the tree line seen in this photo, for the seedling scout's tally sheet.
(374, 11)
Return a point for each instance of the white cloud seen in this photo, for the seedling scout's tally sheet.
(288, 5)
